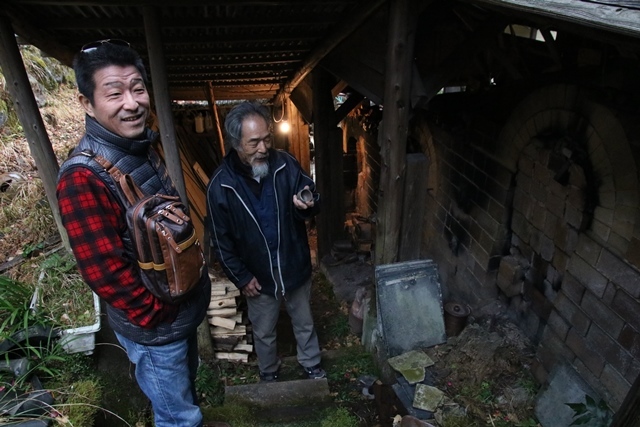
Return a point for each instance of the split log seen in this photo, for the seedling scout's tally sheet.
(223, 322)
(240, 357)
(226, 302)
(230, 293)
(243, 347)
(223, 312)
(238, 330)
(225, 343)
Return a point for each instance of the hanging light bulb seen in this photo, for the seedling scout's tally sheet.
(285, 127)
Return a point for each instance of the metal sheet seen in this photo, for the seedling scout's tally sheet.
(410, 312)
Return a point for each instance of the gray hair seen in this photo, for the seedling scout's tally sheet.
(235, 117)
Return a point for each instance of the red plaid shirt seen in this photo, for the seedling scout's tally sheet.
(95, 221)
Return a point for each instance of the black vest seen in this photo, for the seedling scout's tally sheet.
(134, 157)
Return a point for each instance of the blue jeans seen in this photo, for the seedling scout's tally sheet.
(166, 375)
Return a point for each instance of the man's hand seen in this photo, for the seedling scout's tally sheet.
(252, 289)
(299, 204)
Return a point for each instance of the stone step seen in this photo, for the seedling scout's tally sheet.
(283, 400)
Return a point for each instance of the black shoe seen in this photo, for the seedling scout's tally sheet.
(315, 372)
(268, 377)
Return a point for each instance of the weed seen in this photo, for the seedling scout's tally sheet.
(236, 414)
(209, 387)
(485, 395)
(77, 402)
(596, 414)
(343, 372)
(339, 417)
(14, 307)
(65, 297)
(529, 384)
(339, 327)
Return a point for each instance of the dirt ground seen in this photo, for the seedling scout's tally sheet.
(484, 371)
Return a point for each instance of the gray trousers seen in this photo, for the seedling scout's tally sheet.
(264, 311)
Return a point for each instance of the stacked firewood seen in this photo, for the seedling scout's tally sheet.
(230, 331)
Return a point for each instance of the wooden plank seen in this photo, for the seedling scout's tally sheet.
(601, 15)
(223, 322)
(223, 332)
(223, 312)
(243, 347)
(240, 357)
(225, 343)
(231, 293)
(204, 179)
(227, 302)
(214, 107)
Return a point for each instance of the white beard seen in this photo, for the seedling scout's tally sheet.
(260, 170)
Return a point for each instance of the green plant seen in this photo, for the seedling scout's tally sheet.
(78, 401)
(485, 395)
(598, 414)
(344, 369)
(14, 307)
(339, 327)
(339, 417)
(65, 298)
(209, 387)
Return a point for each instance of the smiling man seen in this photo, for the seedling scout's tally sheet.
(159, 338)
(259, 234)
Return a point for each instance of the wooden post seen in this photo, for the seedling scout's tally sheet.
(414, 207)
(393, 132)
(214, 107)
(299, 137)
(30, 118)
(328, 151)
(628, 415)
(162, 100)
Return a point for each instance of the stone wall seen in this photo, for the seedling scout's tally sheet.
(546, 224)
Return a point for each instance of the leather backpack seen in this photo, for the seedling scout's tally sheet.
(164, 239)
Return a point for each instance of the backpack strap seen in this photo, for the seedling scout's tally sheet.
(129, 188)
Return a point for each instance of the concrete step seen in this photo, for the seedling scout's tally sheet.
(284, 400)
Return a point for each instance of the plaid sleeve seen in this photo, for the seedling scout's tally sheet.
(95, 221)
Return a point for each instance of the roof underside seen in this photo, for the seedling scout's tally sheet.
(256, 49)
(244, 49)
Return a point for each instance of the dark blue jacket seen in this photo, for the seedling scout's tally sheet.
(236, 237)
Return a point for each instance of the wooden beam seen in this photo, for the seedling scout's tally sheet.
(394, 128)
(216, 117)
(328, 153)
(346, 28)
(24, 102)
(163, 101)
(347, 106)
(621, 17)
(223, 92)
(190, 22)
(37, 37)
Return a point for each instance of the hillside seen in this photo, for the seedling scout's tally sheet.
(26, 222)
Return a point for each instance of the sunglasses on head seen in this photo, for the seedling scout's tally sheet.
(89, 47)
